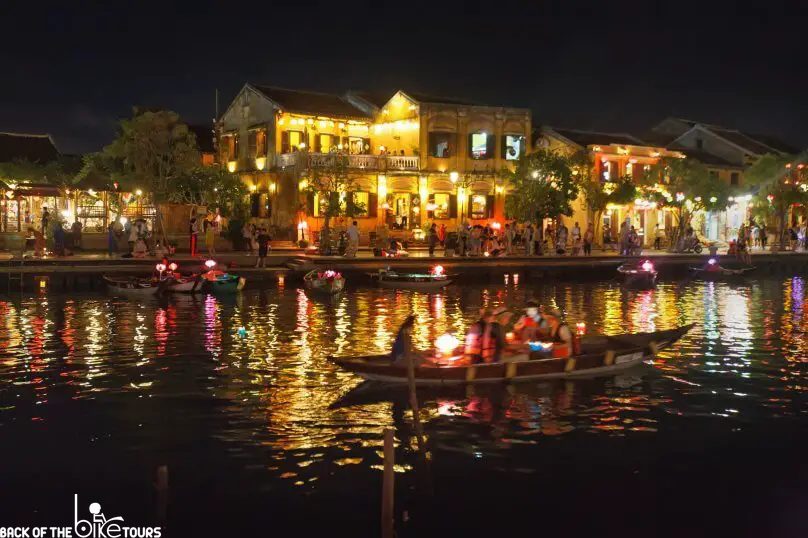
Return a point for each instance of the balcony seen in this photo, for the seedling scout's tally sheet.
(392, 163)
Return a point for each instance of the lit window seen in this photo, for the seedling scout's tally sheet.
(362, 203)
(326, 143)
(480, 146)
(513, 147)
(441, 201)
(441, 144)
(479, 206)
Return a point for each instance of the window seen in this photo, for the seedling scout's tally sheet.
(713, 174)
(734, 178)
(479, 209)
(260, 143)
(513, 147)
(442, 144)
(606, 171)
(630, 169)
(481, 146)
(291, 141)
(230, 147)
(326, 143)
(441, 201)
(358, 146)
(361, 201)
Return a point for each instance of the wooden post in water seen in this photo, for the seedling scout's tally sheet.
(416, 418)
(388, 485)
(161, 485)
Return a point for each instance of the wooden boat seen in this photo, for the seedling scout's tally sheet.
(131, 285)
(412, 281)
(330, 282)
(220, 282)
(638, 275)
(721, 273)
(600, 355)
(183, 284)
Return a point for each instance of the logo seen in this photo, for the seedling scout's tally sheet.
(100, 526)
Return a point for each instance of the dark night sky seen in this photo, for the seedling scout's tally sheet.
(611, 65)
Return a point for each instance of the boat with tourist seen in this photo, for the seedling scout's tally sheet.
(598, 355)
(713, 270)
(638, 275)
(328, 281)
(220, 281)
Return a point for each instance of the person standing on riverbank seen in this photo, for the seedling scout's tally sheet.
(432, 240)
(193, 236)
(589, 238)
(263, 240)
(210, 236)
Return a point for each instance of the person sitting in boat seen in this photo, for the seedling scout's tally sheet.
(560, 334)
(474, 337)
(532, 325)
(403, 349)
(493, 337)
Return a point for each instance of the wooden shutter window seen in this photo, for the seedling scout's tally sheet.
(452, 206)
(489, 205)
(373, 204)
(490, 146)
(285, 142)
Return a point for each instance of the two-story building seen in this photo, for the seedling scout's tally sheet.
(416, 159)
(613, 156)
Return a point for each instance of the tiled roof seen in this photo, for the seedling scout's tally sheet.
(705, 158)
(424, 98)
(313, 103)
(587, 138)
(741, 139)
(775, 143)
(204, 137)
(29, 147)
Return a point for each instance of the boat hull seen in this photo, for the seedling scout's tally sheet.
(231, 284)
(130, 287)
(189, 285)
(323, 285)
(423, 286)
(724, 274)
(616, 354)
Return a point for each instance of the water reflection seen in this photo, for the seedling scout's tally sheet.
(266, 394)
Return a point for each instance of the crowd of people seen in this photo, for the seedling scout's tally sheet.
(488, 338)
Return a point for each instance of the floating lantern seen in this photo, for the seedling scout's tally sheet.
(242, 332)
(647, 266)
(712, 261)
(580, 328)
(437, 270)
(210, 264)
(446, 343)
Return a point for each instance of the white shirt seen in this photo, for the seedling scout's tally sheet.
(353, 233)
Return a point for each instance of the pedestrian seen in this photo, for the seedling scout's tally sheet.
(76, 229)
(442, 234)
(529, 240)
(589, 238)
(210, 236)
(463, 235)
(576, 233)
(561, 243)
(659, 237)
(764, 236)
(263, 240)
(193, 236)
(247, 235)
(133, 236)
(59, 239)
(432, 240)
(353, 240)
(45, 220)
(509, 235)
(112, 240)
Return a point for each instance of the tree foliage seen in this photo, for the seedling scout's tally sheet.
(780, 184)
(335, 188)
(686, 187)
(153, 150)
(210, 186)
(545, 186)
(24, 171)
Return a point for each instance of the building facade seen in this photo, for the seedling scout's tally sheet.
(416, 159)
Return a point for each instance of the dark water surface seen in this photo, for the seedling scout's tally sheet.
(260, 437)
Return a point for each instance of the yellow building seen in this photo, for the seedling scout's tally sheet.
(417, 159)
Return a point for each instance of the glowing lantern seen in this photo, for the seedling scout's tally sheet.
(160, 267)
(173, 266)
(437, 270)
(446, 343)
(712, 261)
(496, 225)
(770, 198)
(210, 264)
(453, 177)
(580, 328)
(647, 266)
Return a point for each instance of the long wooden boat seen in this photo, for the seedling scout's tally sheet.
(638, 275)
(183, 284)
(599, 356)
(329, 282)
(131, 285)
(411, 281)
(722, 273)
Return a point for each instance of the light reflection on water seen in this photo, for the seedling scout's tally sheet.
(181, 371)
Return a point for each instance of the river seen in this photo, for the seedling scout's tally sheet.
(262, 435)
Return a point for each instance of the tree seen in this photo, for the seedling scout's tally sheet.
(781, 184)
(686, 187)
(24, 171)
(152, 150)
(544, 187)
(210, 186)
(598, 196)
(335, 189)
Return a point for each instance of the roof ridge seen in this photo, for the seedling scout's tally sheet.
(591, 131)
(258, 85)
(27, 135)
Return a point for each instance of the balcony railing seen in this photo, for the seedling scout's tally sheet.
(361, 162)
